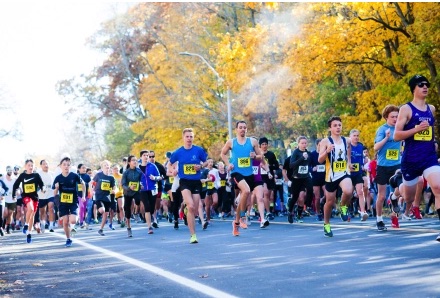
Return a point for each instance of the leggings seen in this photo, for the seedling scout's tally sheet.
(149, 201)
(175, 204)
(128, 203)
(82, 209)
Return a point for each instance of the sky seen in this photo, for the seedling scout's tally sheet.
(41, 43)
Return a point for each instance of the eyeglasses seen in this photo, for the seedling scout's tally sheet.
(421, 85)
(152, 156)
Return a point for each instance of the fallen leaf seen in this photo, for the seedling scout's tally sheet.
(50, 286)
(18, 282)
(76, 271)
(204, 275)
(75, 263)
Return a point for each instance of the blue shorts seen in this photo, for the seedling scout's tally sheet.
(67, 209)
(43, 203)
(412, 170)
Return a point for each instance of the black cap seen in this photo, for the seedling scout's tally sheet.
(263, 140)
(415, 80)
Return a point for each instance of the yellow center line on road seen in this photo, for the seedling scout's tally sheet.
(188, 283)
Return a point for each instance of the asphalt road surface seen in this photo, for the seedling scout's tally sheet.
(283, 260)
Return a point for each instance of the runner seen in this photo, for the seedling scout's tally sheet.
(10, 200)
(66, 185)
(388, 159)
(162, 174)
(268, 176)
(243, 150)
(191, 159)
(212, 185)
(335, 151)
(3, 193)
(131, 183)
(46, 200)
(415, 125)
(103, 185)
(83, 205)
(318, 180)
(119, 199)
(30, 182)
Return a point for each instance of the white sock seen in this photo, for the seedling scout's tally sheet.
(379, 218)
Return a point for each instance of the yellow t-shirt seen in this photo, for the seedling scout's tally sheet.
(120, 192)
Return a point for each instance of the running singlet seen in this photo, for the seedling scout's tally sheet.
(256, 169)
(188, 159)
(241, 157)
(421, 142)
(389, 154)
(357, 159)
(336, 161)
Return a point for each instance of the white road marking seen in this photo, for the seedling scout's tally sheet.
(206, 290)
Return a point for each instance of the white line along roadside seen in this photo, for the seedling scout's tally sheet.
(156, 270)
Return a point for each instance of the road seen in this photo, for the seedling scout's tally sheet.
(284, 260)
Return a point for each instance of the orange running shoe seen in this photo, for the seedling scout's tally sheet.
(243, 223)
(235, 227)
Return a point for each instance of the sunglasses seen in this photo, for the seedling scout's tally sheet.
(152, 156)
(421, 85)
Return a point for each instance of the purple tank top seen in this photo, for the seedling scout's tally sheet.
(420, 145)
(256, 170)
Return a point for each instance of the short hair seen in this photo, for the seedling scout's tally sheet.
(143, 151)
(240, 121)
(124, 158)
(41, 161)
(300, 138)
(65, 159)
(353, 131)
(389, 109)
(185, 130)
(317, 141)
(333, 118)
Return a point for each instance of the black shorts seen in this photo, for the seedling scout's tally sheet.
(67, 209)
(194, 186)
(318, 181)
(249, 180)
(357, 180)
(149, 201)
(333, 186)
(11, 206)
(43, 203)
(211, 191)
(105, 205)
(167, 187)
(270, 183)
(20, 202)
(385, 173)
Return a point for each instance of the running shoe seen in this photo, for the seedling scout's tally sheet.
(290, 218)
(123, 224)
(406, 217)
(248, 220)
(381, 226)
(205, 225)
(43, 228)
(243, 224)
(8, 229)
(438, 238)
(394, 221)
(193, 239)
(25, 229)
(51, 230)
(328, 231)
(155, 225)
(150, 230)
(319, 217)
(235, 227)
(73, 231)
(95, 221)
(111, 227)
(364, 216)
(17, 227)
(185, 220)
(130, 234)
(29, 238)
(416, 212)
(37, 228)
(101, 232)
(170, 218)
(264, 223)
(395, 206)
(299, 220)
(1, 232)
(344, 213)
(68, 243)
(270, 216)
(176, 225)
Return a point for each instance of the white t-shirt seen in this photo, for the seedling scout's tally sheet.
(47, 178)
(10, 185)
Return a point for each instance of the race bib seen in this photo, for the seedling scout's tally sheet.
(204, 184)
(135, 184)
(244, 162)
(263, 171)
(171, 179)
(66, 198)
(355, 167)
(105, 186)
(80, 187)
(222, 182)
(189, 169)
(210, 185)
(320, 168)
(424, 135)
(255, 170)
(303, 169)
(278, 181)
(339, 166)
(392, 154)
(28, 188)
(154, 192)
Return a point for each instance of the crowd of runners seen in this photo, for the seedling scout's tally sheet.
(246, 182)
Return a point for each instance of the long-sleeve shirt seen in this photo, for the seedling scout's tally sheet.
(30, 184)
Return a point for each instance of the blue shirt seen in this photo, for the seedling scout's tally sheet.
(68, 187)
(241, 157)
(389, 154)
(357, 159)
(188, 159)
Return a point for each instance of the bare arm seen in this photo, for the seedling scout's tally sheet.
(326, 148)
(223, 154)
(403, 118)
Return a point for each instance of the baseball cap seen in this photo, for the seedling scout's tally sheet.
(168, 154)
